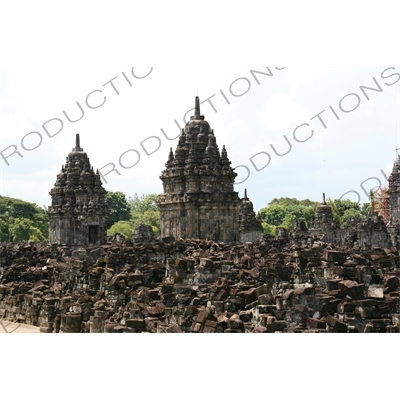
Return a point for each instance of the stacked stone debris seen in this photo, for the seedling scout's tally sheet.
(196, 286)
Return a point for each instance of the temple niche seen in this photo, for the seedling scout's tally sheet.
(199, 200)
(78, 213)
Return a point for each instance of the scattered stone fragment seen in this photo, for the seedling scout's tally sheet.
(194, 286)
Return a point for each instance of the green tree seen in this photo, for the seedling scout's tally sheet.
(121, 228)
(351, 212)
(344, 209)
(152, 218)
(366, 209)
(13, 209)
(273, 214)
(288, 221)
(36, 235)
(118, 207)
(3, 231)
(282, 212)
(20, 229)
(144, 210)
(269, 229)
(143, 203)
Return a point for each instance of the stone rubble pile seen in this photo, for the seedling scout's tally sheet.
(201, 286)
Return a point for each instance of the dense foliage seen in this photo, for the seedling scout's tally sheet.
(344, 209)
(282, 212)
(118, 208)
(142, 210)
(22, 221)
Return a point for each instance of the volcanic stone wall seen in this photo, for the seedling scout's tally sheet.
(201, 286)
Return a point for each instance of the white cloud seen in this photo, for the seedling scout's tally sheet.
(282, 114)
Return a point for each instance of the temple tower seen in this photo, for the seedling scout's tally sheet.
(78, 213)
(323, 226)
(250, 228)
(199, 200)
(394, 203)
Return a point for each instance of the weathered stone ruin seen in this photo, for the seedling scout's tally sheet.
(249, 227)
(369, 233)
(78, 212)
(199, 200)
(394, 204)
(323, 226)
(201, 286)
(213, 271)
(143, 232)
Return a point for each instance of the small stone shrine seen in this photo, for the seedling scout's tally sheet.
(78, 213)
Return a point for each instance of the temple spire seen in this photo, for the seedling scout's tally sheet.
(323, 199)
(197, 116)
(197, 108)
(77, 144)
(171, 156)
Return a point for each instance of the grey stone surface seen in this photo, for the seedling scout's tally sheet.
(78, 213)
(199, 200)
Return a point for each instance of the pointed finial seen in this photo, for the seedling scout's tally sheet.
(245, 194)
(77, 144)
(171, 155)
(197, 116)
(224, 153)
(197, 108)
(323, 199)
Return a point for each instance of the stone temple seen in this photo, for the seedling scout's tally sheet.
(199, 200)
(394, 203)
(78, 213)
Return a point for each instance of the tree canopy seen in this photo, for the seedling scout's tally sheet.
(344, 209)
(118, 208)
(22, 221)
(282, 212)
(121, 228)
(142, 210)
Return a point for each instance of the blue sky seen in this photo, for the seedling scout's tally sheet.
(264, 110)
